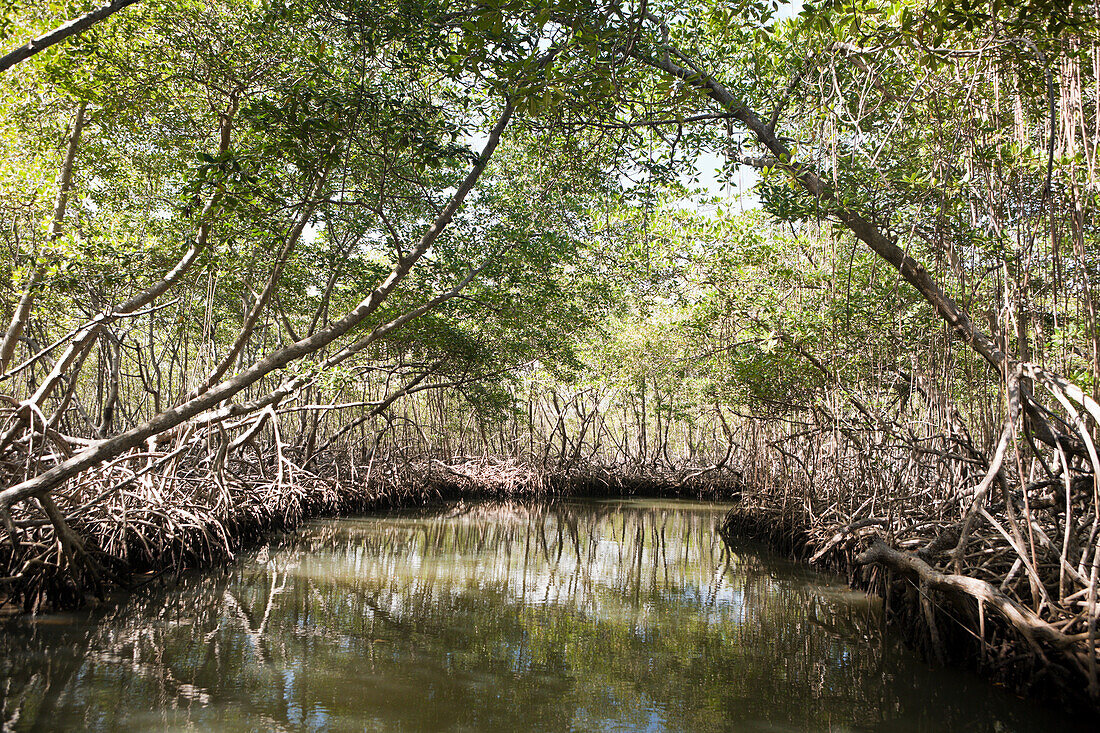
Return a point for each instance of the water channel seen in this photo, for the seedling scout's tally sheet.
(579, 615)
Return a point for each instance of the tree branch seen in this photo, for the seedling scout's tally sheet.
(72, 27)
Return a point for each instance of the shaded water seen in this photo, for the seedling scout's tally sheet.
(595, 615)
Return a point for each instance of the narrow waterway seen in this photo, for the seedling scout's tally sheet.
(580, 615)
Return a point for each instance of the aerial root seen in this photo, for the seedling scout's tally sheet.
(1038, 633)
(72, 546)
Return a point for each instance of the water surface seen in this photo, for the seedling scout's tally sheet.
(584, 615)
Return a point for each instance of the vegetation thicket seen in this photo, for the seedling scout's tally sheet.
(265, 257)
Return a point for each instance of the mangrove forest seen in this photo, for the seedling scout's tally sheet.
(549, 365)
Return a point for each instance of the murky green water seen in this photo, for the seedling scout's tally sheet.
(595, 616)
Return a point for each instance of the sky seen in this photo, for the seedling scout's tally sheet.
(709, 165)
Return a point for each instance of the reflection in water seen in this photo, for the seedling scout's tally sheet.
(573, 616)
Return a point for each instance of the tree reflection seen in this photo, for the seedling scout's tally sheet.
(586, 615)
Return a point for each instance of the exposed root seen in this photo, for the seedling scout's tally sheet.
(953, 618)
(1033, 628)
(78, 557)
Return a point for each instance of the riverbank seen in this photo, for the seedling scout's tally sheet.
(121, 529)
(126, 530)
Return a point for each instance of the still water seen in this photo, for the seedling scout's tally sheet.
(581, 615)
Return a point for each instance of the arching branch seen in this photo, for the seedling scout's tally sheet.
(71, 28)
